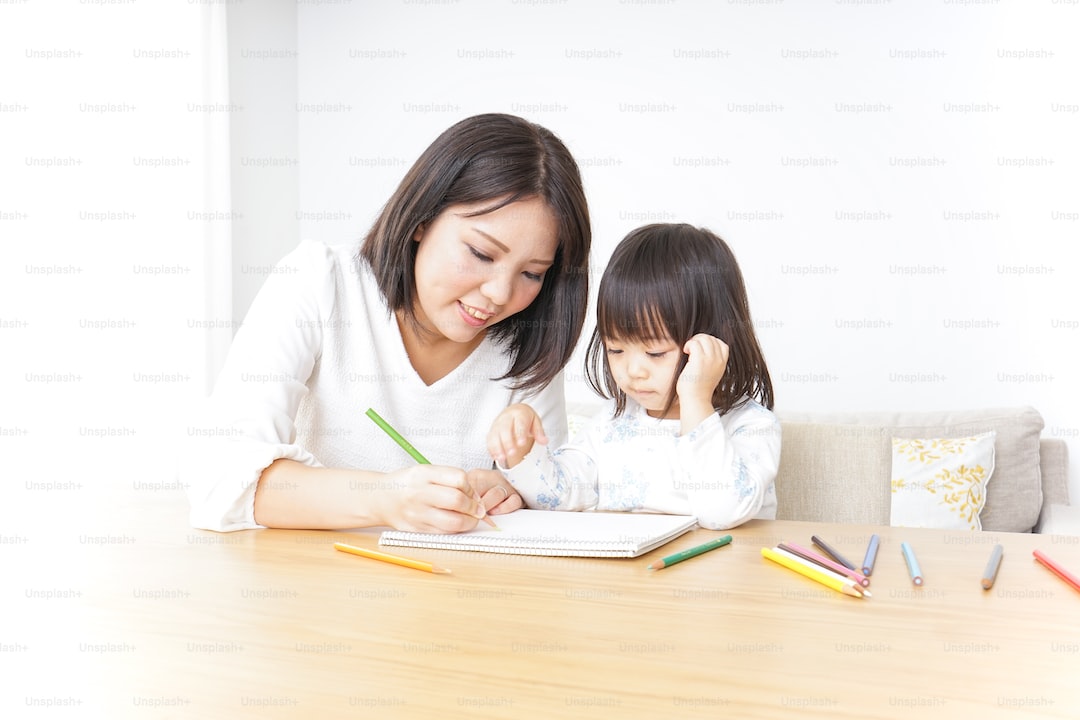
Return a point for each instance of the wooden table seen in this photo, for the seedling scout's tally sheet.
(152, 619)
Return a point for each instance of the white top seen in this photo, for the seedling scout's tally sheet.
(317, 349)
(722, 471)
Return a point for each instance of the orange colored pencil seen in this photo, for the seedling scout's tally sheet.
(387, 557)
(1057, 569)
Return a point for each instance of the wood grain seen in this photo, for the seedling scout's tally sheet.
(274, 623)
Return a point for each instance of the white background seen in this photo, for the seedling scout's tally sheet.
(898, 180)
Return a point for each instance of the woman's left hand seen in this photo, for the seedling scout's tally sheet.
(498, 495)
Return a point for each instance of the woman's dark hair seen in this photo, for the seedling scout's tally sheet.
(501, 159)
(676, 281)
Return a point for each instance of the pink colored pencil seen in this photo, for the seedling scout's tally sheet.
(1057, 569)
(826, 563)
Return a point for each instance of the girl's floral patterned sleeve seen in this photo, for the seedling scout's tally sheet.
(561, 479)
(728, 470)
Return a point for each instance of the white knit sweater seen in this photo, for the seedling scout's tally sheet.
(317, 349)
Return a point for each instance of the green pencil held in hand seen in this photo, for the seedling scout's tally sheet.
(407, 447)
(692, 552)
(397, 437)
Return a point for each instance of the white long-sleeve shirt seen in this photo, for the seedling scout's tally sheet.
(722, 471)
(317, 349)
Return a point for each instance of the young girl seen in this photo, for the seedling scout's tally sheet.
(468, 294)
(689, 429)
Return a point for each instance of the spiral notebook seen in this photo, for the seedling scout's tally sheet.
(570, 534)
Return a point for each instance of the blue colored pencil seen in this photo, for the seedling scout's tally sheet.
(871, 555)
(912, 563)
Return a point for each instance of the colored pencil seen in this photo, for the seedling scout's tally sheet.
(807, 571)
(991, 571)
(387, 557)
(407, 447)
(871, 555)
(912, 563)
(782, 549)
(396, 436)
(831, 552)
(1057, 569)
(692, 552)
(825, 562)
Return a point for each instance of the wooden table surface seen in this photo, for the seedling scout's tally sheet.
(145, 617)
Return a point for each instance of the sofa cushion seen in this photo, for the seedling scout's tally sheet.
(836, 467)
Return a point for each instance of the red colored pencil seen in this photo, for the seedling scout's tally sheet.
(1057, 569)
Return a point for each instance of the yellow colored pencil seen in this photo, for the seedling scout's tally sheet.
(782, 549)
(848, 588)
(387, 557)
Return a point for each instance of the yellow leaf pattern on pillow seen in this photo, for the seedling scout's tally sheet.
(927, 451)
(949, 473)
(963, 490)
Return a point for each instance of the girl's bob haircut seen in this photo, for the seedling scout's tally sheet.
(675, 281)
(498, 159)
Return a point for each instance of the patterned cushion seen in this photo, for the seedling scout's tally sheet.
(941, 482)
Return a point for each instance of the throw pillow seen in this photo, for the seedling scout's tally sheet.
(941, 482)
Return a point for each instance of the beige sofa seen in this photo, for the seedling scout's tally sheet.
(837, 467)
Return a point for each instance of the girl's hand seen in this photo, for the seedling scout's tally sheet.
(430, 498)
(703, 372)
(498, 496)
(512, 434)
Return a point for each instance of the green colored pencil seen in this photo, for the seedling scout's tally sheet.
(407, 447)
(692, 552)
(396, 436)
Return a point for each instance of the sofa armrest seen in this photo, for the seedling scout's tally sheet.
(1054, 466)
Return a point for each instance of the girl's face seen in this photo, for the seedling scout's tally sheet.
(473, 272)
(645, 371)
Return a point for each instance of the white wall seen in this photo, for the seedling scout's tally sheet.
(262, 62)
(109, 115)
(114, 293)
(898, 180)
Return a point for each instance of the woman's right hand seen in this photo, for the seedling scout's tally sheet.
(430, 498)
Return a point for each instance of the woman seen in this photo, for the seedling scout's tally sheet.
(467, 295)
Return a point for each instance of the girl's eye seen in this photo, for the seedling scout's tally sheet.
(659, 354)
(478, 255)
(535, 277)
(614, 351)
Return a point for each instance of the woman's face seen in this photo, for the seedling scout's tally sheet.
(473, 272)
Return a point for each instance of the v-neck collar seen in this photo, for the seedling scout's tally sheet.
(474, 357)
